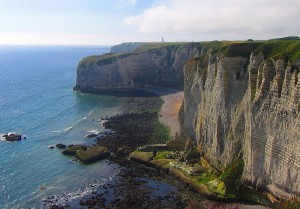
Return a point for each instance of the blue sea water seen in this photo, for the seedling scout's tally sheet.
(37, 101)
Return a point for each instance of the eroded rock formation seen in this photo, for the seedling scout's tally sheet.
(247, 107)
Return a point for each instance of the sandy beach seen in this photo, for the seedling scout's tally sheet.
(169, 111)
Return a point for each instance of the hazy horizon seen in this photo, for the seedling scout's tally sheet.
(100, 22)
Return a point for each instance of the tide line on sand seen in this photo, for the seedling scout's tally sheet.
(173, 100)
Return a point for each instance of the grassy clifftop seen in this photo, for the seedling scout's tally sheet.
(108, 58)
(286, 50)
(277, 49)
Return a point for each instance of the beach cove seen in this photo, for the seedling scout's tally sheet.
(149, 177)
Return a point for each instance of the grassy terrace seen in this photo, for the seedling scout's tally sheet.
(108, 58)
(157, 45)
(288, 50)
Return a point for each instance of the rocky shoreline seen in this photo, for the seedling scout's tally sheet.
(135, 185)
(138, 185)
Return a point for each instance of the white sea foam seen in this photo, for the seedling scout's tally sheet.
(90, 113)
(1, 138)
(57, 131)
(70, 196)
(68, 128)
(94, 131)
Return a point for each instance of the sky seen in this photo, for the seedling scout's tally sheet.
(108, 22)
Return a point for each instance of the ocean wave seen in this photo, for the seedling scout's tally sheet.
(90, 113)
(67, 197)
(93, 131)
(69, 128)
(56, 131)
(72, 196)
(1, 138)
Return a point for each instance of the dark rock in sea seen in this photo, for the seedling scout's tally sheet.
(91, 136)
(92, 154)
(61, 146)
(51, 147)
(12, 137)
(123, 151)
(56, 207)
(72, 150)
(120, 152)
(87, 154)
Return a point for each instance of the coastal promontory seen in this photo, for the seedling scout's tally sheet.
(154, 64)
(241, 101)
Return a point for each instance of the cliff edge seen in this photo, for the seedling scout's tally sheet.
(242, 102)
(126, 47)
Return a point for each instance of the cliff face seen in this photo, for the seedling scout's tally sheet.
(247, 107)
(153, 66)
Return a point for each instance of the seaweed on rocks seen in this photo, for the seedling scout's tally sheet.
(134, 129)
(130, 130)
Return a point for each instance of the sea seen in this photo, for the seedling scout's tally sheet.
(37, 101)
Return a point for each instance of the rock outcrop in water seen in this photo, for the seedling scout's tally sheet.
(87, 154)
(12, 137)
(242, 101)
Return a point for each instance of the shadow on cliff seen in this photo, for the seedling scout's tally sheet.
(136, 92)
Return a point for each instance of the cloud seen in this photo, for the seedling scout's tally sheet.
(219, 19)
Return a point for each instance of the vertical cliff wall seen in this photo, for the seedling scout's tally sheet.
(246, 105)
(153, 65)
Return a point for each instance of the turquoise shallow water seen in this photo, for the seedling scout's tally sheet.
(36, 100)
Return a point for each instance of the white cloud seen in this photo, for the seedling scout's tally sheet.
(219, 19)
